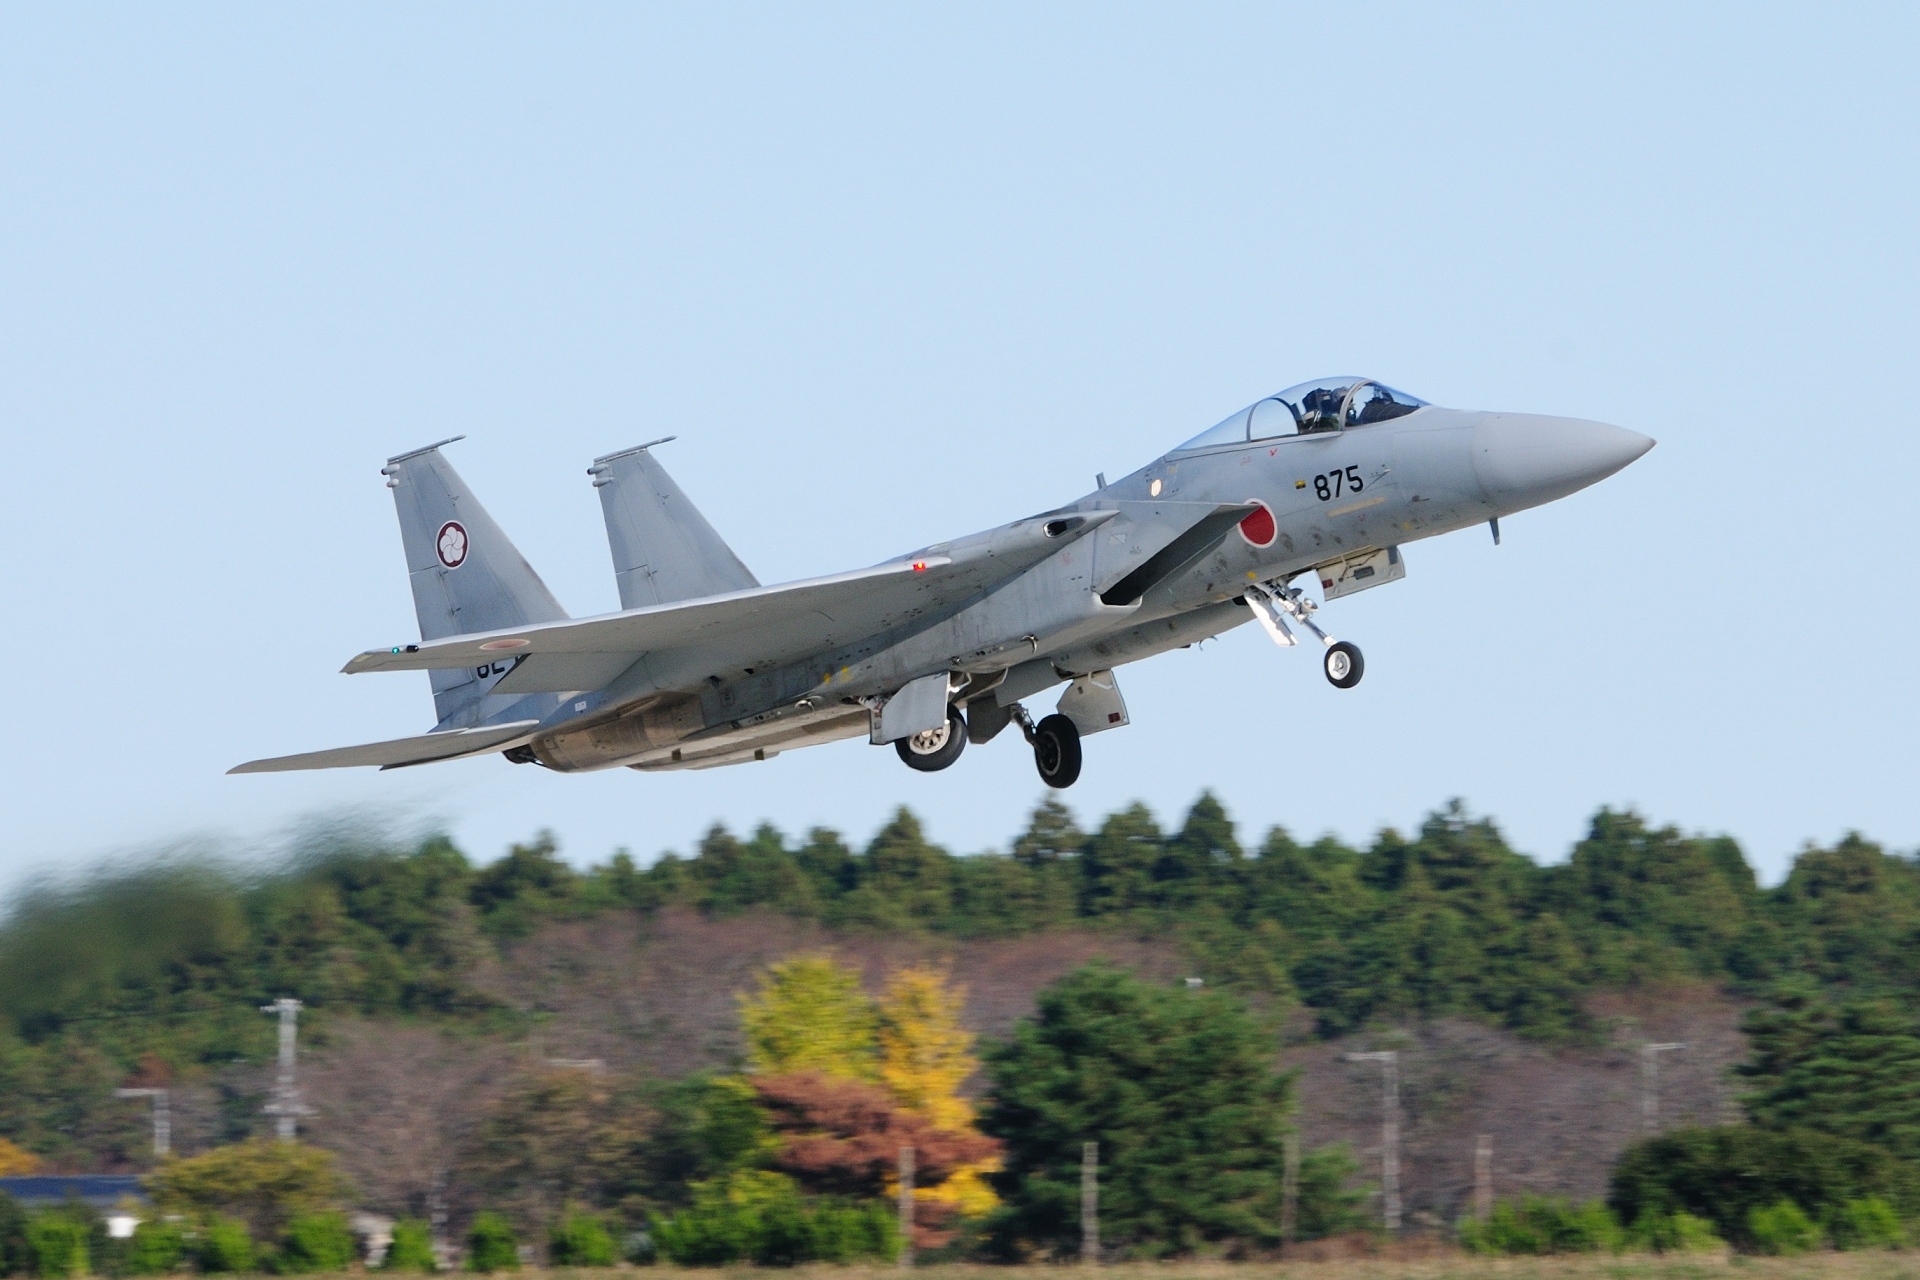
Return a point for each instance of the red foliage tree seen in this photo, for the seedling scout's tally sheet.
(843, 1137)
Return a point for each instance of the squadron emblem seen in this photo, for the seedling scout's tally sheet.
(451, 544)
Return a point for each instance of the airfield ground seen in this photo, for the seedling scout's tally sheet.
(1440, 1266)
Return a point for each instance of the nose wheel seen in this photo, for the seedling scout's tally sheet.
(1056, 747)
(1343, 664)
(1273, 605)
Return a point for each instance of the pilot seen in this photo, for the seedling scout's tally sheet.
(1320, 410)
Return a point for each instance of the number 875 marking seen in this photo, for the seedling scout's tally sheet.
(1327, 487)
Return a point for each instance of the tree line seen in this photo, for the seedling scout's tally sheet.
(1169, 1096)
(155, 973)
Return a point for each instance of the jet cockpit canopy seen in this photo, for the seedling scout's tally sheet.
(1327, 404)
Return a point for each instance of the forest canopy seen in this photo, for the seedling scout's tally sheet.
(157, 971)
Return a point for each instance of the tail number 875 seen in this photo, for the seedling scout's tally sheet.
(1328, 487)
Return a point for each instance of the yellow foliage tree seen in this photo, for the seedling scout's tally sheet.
(15, 1161)
(925, 1056)
(811, 1015)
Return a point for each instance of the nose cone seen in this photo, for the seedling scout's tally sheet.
(1522, 460)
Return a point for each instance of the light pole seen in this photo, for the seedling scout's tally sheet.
(1650, 1084)
(162, 1117)
(1389, 1061)
(1089, 1203)
(286, 1108)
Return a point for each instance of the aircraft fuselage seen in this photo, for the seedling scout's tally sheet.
(1327, 494)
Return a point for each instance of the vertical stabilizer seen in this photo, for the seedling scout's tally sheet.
(663, 548)
(466, 575)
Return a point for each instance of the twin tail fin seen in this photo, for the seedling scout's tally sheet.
(466, 575)
(663, 548)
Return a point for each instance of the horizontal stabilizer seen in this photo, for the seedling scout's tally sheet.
(424, 749)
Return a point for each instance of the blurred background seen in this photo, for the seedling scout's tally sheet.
(897, 274)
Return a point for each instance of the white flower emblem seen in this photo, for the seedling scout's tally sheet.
(451, 544)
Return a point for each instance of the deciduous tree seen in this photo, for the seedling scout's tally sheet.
(843, 1137)
(265, 1183)
(810, 1014)
(926, 1055)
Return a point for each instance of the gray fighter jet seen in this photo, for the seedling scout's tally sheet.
(703, 666)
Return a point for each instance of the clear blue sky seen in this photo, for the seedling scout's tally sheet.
(898, 272)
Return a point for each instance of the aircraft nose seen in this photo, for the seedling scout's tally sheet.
(1523, 460)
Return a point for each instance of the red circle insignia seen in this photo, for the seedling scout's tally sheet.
(1258, 527)
(450, 544)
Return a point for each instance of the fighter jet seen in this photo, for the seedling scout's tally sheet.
(1321, 485)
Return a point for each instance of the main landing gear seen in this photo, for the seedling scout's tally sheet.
(935, 749)
(1055, 742)
(1273, 604)
(1056, 747)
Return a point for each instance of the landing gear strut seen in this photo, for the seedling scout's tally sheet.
(1056, 747)
(1274, 604)
(935, 749)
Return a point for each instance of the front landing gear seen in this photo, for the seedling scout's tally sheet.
(1056, 747)
(935, 749)
(1274, 604)
(1344, 665)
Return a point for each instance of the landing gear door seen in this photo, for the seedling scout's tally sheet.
(1093, 703)
(1359, 571)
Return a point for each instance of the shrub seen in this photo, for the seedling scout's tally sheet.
(638, 1248)
(761, 1218)
(157, 1249)
(1326, 1206)
(1677, 1232)
(1782, 1228)
(491, 1244)
(1868, 1223)
(317, 1242)
(226, 1247)
(1538, 1225)
(16, 1255)
(412, 1248)
(58, 1241)
(1724, 1174)
(581, 1240)
(266, 1182)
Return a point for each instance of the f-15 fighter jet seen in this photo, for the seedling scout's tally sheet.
(941, 647)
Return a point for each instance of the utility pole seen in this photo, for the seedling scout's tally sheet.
(1289, 1188)
(162, 1117)
(1650, 1084)
(1089, 1203)
(1389, 1061)
(906, 1206)
(1483, 1176)
(286, 1107)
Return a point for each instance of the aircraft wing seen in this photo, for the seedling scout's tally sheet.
(423, 749)
(760, 625)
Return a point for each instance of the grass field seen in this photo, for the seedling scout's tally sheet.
(1440, 1266)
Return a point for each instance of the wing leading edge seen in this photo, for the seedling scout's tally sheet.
(763, 624)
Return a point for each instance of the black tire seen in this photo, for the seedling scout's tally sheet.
(932, 752)
(1056, 751)
(1344, 665)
